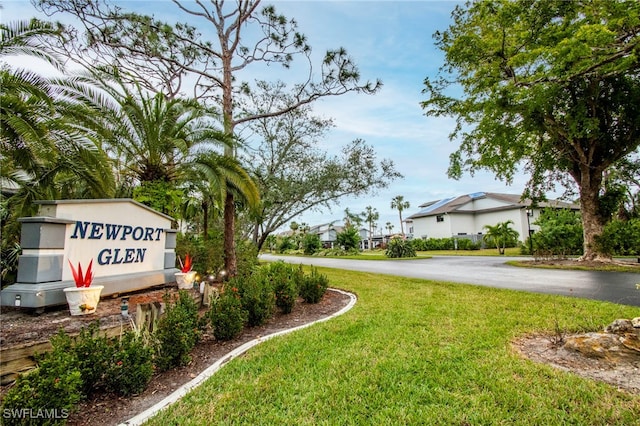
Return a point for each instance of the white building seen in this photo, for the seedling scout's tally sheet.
(328, 233)
(466, 215)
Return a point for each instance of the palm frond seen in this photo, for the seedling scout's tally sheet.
(28, 37)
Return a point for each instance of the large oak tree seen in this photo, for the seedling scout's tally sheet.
(549, 85)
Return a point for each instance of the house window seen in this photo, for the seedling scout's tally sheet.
(439, 218)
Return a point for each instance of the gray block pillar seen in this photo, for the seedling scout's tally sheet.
(170, 248)
(40, 265)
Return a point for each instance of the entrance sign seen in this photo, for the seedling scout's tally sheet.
(131, 245)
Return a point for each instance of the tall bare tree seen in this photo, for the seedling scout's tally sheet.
(246, 35)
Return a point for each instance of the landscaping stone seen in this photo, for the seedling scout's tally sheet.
(619, 342)
(619, 326)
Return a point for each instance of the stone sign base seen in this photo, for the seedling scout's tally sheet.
(39, 295)
(129, 245)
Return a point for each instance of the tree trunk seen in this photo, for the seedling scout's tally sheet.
(230, 259)
(205, 220)
(590, 183)
(256, 234)
(261, 241)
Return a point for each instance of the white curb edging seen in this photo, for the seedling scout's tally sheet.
(213, 368)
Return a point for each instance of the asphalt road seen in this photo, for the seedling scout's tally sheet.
(492, 271)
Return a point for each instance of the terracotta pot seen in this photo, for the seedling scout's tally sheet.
(185, 279)
(83, 300)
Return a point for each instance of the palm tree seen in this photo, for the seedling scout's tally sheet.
(389, 227)
(162, 145)
(217, 175)
(45, 153)
(500, 234)
(398, 203)
(294, 227)
(370, 215)
(351, 219)
(150, 137)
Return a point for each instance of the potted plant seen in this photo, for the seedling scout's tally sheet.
(83, 298)
(186, 276)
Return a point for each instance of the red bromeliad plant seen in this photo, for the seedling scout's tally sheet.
(80, 279)
(187, 265)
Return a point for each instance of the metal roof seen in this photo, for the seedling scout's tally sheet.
(511, 201)
(433, 206)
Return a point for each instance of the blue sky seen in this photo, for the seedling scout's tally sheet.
(391, 41)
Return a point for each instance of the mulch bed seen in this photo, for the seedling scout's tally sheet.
(18, 327)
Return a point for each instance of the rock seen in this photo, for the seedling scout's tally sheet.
(609, 346)
(636, 322)
(594, 345)
(631, 342)
(620, 341)
(620, 326)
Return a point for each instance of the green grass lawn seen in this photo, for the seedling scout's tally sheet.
(414, 352)
(579, 267)
(375, 255)
(510, 251)
(380, 254)
(513, 251)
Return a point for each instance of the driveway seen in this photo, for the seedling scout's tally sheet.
(491, 271)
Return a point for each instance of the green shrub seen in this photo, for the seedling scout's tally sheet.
(560, 234)
(94, 353)
(338, 252)
(285, 280)
(177, 332)
(226, 315)
(53, 389)
(121, 365)
(281, 271)
(161, 195)
(349, 238)
(399, 247)
(131, 365)
(246, 257)
(433, 244)
(286, 295)
(286, 243)
(418, 244)
(257, 296)
(297, 274)
(208, 255)
(311, 244)
(314, 286)
(466, 244)
(621, 238)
